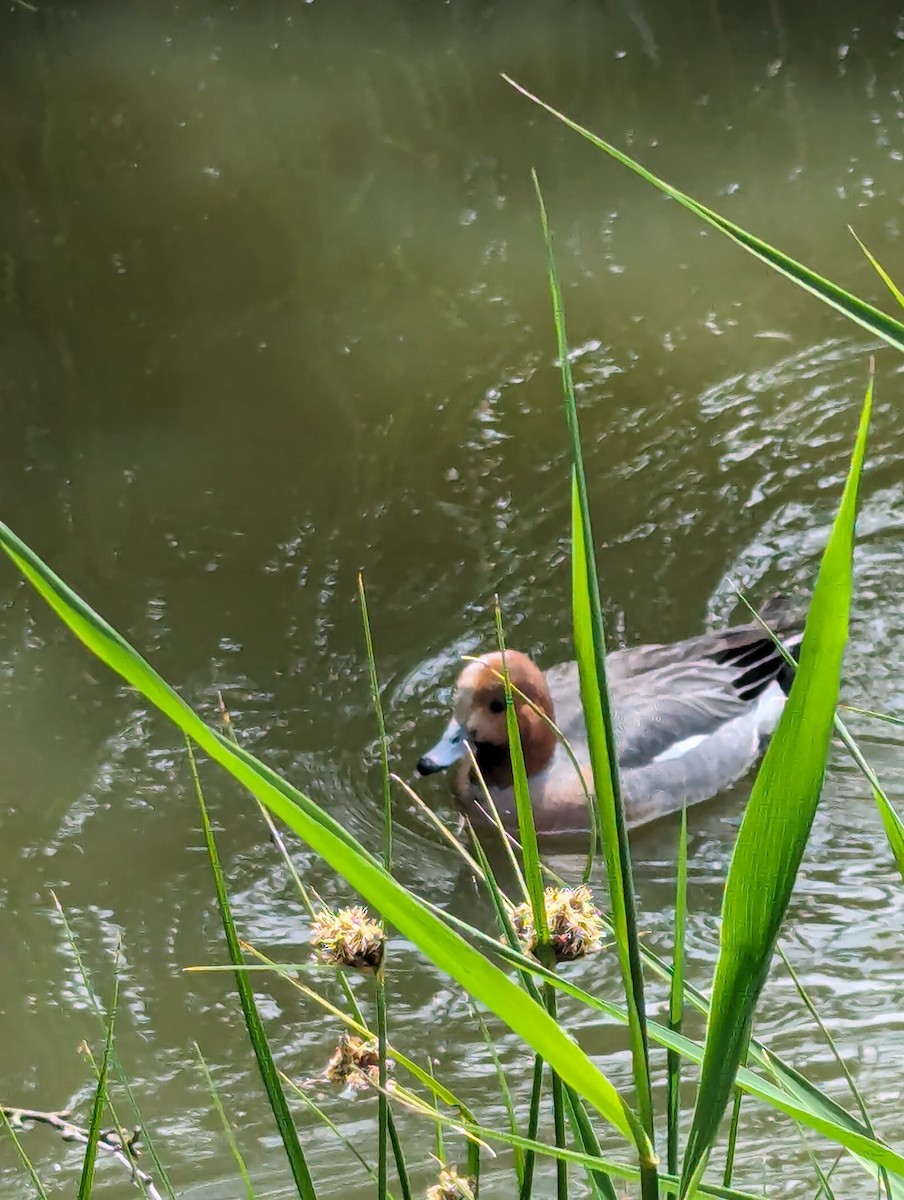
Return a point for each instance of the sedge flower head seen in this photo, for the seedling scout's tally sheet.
(573, 920)
(349, 938)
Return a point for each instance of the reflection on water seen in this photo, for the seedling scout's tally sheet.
(274, 309)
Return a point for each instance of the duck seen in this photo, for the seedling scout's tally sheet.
(691, 718)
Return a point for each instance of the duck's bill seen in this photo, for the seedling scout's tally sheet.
(448, 750)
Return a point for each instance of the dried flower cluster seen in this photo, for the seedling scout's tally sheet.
(355, 1063)
(451, 1186)
(349, 938)
(573, 920)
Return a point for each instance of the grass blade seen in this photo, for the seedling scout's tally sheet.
(381, 726)
(880, 270)
(414, 919)
(533, 1125)
(891, 822)
(86, 1182)
(836, 297)
(382, 1096)
(830, 1042)
(776, 825)
(253, 1023)
(794, 1095)
(504, 1091)
(590, 648)
(601, 1185)
(676, 998)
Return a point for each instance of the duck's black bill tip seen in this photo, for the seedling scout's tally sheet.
(427, 766)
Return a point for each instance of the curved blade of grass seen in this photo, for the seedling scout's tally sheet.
(676, 997)
(776, 825)
(617, 1169)
(253, 1023)
(590, 649)
(86, 1181)
(414, 920)
(794, 1095)
(836, 297)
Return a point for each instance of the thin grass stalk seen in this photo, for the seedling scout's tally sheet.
(440, 1138)
(398, 1155)
(558, 1105)
(280, 843)
(228, 1132)
(590, 646)
(324, 1118)
(253, 1023)
(24, 1159)
(86, 1181)
(473, 1166)
(600, 1184)
(527, 833)
(491, 812)
(382, 1097)
(381, 726)
(533, 1124)
(148, 1141)
(504, 1090)
(836, 1054)
(891, 821)
(676, 1000)
(733, 1127)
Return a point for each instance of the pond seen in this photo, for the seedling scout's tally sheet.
(274, 309)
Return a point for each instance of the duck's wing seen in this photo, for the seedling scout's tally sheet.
(659, 712)
(669, 699)
(664, 696)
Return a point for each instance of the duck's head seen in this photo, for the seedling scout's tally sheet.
(478, 718)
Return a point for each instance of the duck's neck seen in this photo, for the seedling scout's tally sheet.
(495, 762)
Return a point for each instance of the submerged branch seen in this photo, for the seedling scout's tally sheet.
(117, 1143)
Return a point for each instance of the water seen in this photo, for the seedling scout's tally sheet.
(274, 309)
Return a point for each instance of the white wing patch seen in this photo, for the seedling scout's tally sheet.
(678, 748)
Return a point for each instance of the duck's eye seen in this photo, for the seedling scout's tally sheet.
(497, 706)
